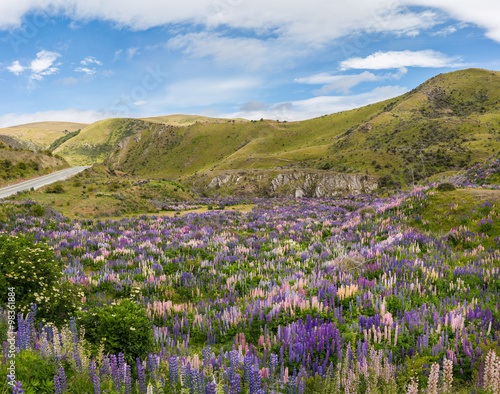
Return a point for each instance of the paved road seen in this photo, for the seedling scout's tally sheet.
(41, 181)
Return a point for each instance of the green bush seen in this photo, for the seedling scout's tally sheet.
(31, 270)
(123, 327)
(446, 187)
(55, 188)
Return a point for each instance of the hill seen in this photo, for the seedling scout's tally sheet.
(39, 135)
(18, 164)
(185, 120)
(447, 123)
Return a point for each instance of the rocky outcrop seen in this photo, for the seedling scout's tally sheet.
(286, 183)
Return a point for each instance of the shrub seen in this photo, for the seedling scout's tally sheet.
(55, 188)
(31, 270)
(38, 210)
(123, 327)
(446, 187)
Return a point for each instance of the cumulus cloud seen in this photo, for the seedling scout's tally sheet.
(398, 59)
(16, 68)
(313, 107)
(68, 115)
(44, 64)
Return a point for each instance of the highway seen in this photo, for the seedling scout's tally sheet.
(41, 181)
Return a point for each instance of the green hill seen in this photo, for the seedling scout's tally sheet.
(18, 164)
(39, 135)
(445, 124)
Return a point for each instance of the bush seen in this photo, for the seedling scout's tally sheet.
(31, 270)
(38, 210)
(55, 188)
(123, 327)
(446, 187)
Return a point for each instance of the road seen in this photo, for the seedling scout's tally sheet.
(41, 181)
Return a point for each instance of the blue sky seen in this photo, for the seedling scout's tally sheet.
(82, 61)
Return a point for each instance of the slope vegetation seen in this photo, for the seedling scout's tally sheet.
(447, 123)
(39, 135)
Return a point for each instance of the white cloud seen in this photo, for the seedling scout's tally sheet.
(86, 70)
(313, 21)
(483, 13)
(343, 83)
(398, 59)
(140, 103)
(90, 60)
(446, 31)
(16, 68)
(44, 64)
(250, 51)
(68, 115)
(313, 107)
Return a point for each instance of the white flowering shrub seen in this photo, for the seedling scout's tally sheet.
(30, 270)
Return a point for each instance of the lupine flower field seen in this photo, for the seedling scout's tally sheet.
(358, 294)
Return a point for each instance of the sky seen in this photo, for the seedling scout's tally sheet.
(86, 60)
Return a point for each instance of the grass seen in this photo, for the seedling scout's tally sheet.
(96, 141)
(242, 208)
(41, 134)
(98, 193)
(461, 207)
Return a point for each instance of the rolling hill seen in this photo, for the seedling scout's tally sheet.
(445, 124)
(39, 135)
(17, 164)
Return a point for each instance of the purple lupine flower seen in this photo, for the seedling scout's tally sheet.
(57, 385)
(128, 379)
(173, 370)
(17, 388)
(235, 384)
(62, 379)
(115, 373)
(142, 376)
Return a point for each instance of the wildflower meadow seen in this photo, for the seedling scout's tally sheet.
(355, 294)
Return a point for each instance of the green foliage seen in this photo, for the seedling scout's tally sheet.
(34, 372)
(38, 210)
(30, 268)
(63, 139)
(446, 187)
(123, 327)
(57, 188)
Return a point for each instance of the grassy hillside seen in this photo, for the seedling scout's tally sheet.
(184, 120)
(97, 140)
(40, 135)
(447, 123)
(17, 164)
